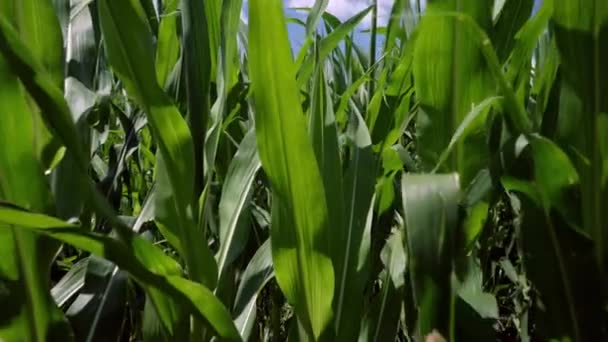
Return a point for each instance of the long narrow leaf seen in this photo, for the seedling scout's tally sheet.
(234, 198)
(329, 43)
(299, 216)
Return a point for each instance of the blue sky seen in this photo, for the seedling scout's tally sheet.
(342, 9)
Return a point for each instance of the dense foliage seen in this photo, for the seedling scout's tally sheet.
(169, 171)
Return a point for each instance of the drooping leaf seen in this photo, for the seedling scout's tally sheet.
(80, 95)
(144, 262)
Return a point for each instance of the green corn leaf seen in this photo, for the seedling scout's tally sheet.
(581, 28)
(257, 274)
(29, 311)
(324, 137)
(465, 127)
(345, 98)
(165, 214)
(430, 204)
(233, 202)
(81, 57)
(511, 18)
(70, 283)
(299, 214)
(167, 46)
(199, 43)
(328, 44)
(213, 13)
(316, 12)
(393, 26)
(103, 295)
(129, 50)
(41, 87)
(226, 79)
(470, 290)
(382, 319)
(448, 89)
(565, 270)
(347, 205)
(39, 29)
(144, 262)
(526, 39)
(353, 262)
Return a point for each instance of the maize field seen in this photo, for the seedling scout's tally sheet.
(171, 170)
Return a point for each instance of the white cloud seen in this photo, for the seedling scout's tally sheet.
(344, 9)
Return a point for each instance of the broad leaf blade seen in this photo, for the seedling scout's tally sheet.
(448, 88)
(512, 17)
(29, 311)
(299, 216)
(430, 204)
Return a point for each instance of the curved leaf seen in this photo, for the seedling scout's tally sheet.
(144, 262)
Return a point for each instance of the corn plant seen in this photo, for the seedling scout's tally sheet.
(169, 170)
